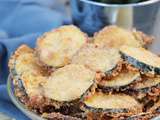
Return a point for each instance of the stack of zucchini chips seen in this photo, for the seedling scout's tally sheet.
(70, 76)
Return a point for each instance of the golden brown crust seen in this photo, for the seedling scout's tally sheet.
(23, 65)
(22, 49)
(88, 104)
(119, 83)
(115, 72)
(129, 67)
(41, 104)
(56, 48)
(124, 70)
(115, 37)
(67, 87)
(98, 59)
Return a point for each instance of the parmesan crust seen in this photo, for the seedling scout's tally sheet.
(112, 102)
(96, 58)
(69, 83)
(24, 63)
(115, 37)
(56, 48)
(147, 83)
(123, 79)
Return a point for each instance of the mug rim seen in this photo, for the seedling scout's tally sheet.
(148, 2)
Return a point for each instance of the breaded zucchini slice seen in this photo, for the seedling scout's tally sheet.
(56, 48)
(147, 90)
(142, 59)
(115, 37)
(121, 81)
(69, 83)
(147, 84)
(113, 104)
(98, 59)
(24, 68)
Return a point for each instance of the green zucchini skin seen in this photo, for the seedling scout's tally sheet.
(109, 111)
(126, 85)
(112, 113)
(17, 82)
(144, 68)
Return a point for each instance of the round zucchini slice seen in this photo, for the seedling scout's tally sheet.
(115, 37)
(69, 83)
(142, 59)
(56, 48)
(147, 84)
(124, 79)
(111, 104)
(98, 59)
(25, 70)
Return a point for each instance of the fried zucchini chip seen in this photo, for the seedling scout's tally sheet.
(56, 48)
(142, 59)
(69, 83)
(146, 90)
(121, 81)
(112, 104)
(24, 68)
(98, 59)
(147, 85)
(115, 37)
